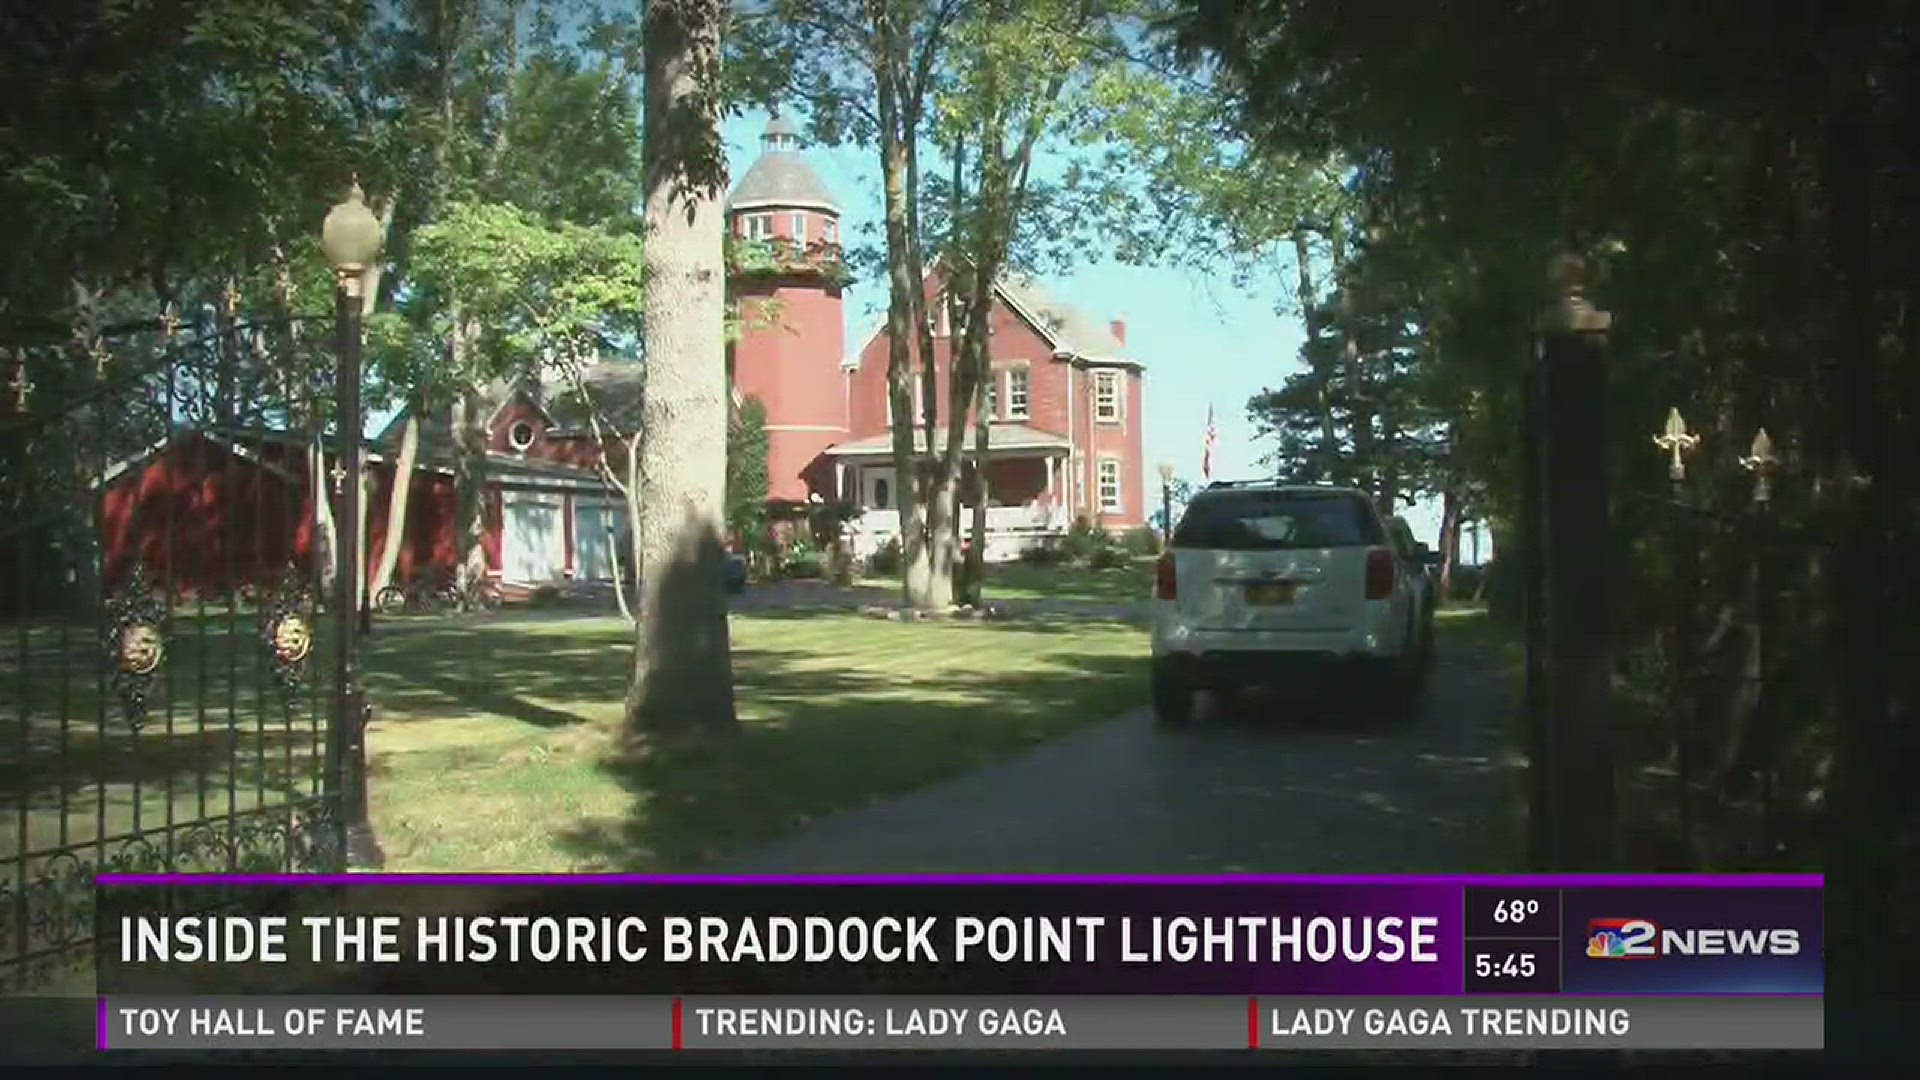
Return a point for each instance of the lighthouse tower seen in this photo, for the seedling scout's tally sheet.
(784, 275)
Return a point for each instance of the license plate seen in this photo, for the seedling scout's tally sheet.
(1271, 592)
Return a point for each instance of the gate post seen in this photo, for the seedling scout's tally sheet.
(351, 240)
(1677, 442)
(1578, 542)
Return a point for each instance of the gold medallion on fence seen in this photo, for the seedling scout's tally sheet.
(292, 641)
(140, 649)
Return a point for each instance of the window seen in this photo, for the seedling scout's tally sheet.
(1017, 393)
(1277, 521)
(882, 494)
(943, 315)
(1106, 397)
(990, 396)
(757, 226)
(1109, 485)
(799, 228)
(520, 435)
(830, 231)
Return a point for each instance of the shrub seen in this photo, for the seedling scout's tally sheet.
(886, 560)
(1108, 558)
(804, 564)
(1082, 540)
(1041, 554)
(1141, 540)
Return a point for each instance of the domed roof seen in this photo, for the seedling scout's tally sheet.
(780, 176)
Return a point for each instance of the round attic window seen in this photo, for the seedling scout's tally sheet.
(520, 435)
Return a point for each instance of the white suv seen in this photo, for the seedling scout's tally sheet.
(1265, 583)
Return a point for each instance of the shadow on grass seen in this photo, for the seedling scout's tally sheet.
(834, 741)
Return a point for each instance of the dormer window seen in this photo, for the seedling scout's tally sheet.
(520, 435)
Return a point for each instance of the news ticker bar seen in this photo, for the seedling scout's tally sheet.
(1120, 1022)
(1302, 937)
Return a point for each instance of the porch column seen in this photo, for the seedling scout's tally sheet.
(840, 481)
(1051, 499)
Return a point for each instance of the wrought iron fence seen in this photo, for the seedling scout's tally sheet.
(163, 701)
(1713, 668)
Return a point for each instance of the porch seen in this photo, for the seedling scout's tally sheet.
(1027, 483)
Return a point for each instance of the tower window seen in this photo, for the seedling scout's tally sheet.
(757, 226)
(1106, 397)
(1017, 393)
(830, 231)
(799, 226)
(1110, 485)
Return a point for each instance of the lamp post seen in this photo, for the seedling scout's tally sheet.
(1166, 504)
(351, 240)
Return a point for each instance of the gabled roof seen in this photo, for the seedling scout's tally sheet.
(1067, 329)
(999, 437)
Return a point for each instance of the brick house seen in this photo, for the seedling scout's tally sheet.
(1065, 399)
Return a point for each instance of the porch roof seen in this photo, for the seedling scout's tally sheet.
(1000, 438)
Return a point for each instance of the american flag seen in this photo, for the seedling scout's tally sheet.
(1206, 449)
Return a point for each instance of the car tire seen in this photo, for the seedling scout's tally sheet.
(1172, 698)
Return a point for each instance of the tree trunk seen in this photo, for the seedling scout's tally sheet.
(323, 527)
(469, 485)
(915, 558)
(682, 672)
(396, 531)
(1359, 415)
(1449, 539)
(1328, 452)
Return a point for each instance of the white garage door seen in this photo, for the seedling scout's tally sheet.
(599, 529)
(535, 542)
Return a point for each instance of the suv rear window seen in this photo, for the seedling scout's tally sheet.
(1277, 521)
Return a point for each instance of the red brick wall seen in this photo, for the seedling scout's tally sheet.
(1013, 341)
(1060, 401)
(788, 356)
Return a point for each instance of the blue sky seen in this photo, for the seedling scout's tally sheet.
(1204, 342)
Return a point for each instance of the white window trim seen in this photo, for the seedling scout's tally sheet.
(1025, 409)
(797, 221)
(1119, 504)
(514, 429)
(1101, 380)
(990, 391)
(748, 221)
(829, 231)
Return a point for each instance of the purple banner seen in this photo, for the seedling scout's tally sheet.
(1373, 935)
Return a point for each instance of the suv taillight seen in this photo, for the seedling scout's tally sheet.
(1379, 574)
(1163, 578)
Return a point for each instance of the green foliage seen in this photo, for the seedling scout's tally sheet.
(747, 474)
(1108, 557)
(537, 291)
(885, 560)
(1082, 540)
(1042, 554)
(1140, 540)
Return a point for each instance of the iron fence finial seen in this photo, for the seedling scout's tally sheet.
(1761, 461)
(1677, 442)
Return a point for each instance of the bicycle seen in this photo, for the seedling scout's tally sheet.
(479, 594)
(415, 596)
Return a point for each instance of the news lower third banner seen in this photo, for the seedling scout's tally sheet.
(700, 962)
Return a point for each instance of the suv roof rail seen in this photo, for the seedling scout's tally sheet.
(1241, 484)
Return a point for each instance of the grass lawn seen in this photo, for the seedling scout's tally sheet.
(495, 747)
(1128, 583)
